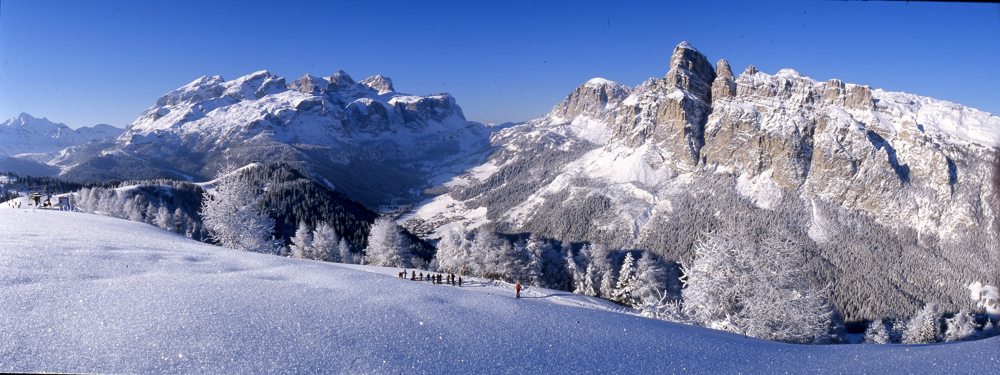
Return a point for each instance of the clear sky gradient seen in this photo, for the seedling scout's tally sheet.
(88, 62)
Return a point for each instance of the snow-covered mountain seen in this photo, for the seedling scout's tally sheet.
(25, 134)
(893, 195)
(369, 141)
(92, 294)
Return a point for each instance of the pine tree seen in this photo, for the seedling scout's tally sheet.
(877, 333)
(180, 222)
(923, 328)
(325, 241)
(386, 245)
(235, 218)
(302, 242)
(625, 291)
(577, 277)
(649, 278)
(163, 218)
(345, 252)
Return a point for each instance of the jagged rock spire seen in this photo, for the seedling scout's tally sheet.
(691, 71)
(724, 85)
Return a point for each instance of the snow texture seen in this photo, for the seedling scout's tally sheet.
(86, 293)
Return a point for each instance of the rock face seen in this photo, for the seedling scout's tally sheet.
(379, 83)
(670, 113)
(887, 192)
(592, 99)
(367, 140)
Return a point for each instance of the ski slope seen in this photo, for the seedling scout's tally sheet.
(87, 293)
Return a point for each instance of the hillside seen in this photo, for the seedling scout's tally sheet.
(86, 293)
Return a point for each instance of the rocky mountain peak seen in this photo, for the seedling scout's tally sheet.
(340, 80)
(724, 85)
(691, 71)
(379, 83)
(592, 99)
(309, 84)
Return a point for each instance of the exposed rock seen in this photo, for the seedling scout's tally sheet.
(670, 112)
(724, 85)
(309, 84)
(340, 80)
(592, 99)
(379, 83)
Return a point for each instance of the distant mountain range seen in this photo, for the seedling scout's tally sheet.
(34, 140)
(893, 196)
(365, 139)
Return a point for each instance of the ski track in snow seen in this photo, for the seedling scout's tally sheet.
(87, 293)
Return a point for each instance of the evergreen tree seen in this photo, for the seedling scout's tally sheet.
(387, 246)
(164, 219)
(180, 222)
(877, 333)
(345, 252)
(235, 217)
(923, 328)
(625, 291)
(649, 278)
(325, 241)
(577, 277)
(302, 242)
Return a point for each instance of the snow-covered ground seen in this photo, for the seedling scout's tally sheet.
(87, 293)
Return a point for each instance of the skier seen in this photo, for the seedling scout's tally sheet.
(517, 290)
(413, 276)
(460, 281)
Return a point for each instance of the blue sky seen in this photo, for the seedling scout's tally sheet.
(87, 62)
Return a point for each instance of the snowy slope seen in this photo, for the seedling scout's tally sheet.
(84, 293)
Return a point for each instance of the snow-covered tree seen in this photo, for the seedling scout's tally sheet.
(453, 252)
(577, 275)
(387, 246)
(923, 328)
(659, 305)
(877, 333)
(543, 267)
(649, 279)
(960, 327)
(150, 216)
(180, 221)
(345, 252)
(625, 290)
(135, 208)
(755, 285)
(164, 219)
(234, 216)
(325, 241)
(302, 242)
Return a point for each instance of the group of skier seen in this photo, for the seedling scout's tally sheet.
(451, 279)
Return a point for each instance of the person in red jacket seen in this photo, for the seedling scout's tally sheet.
(517, 290)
